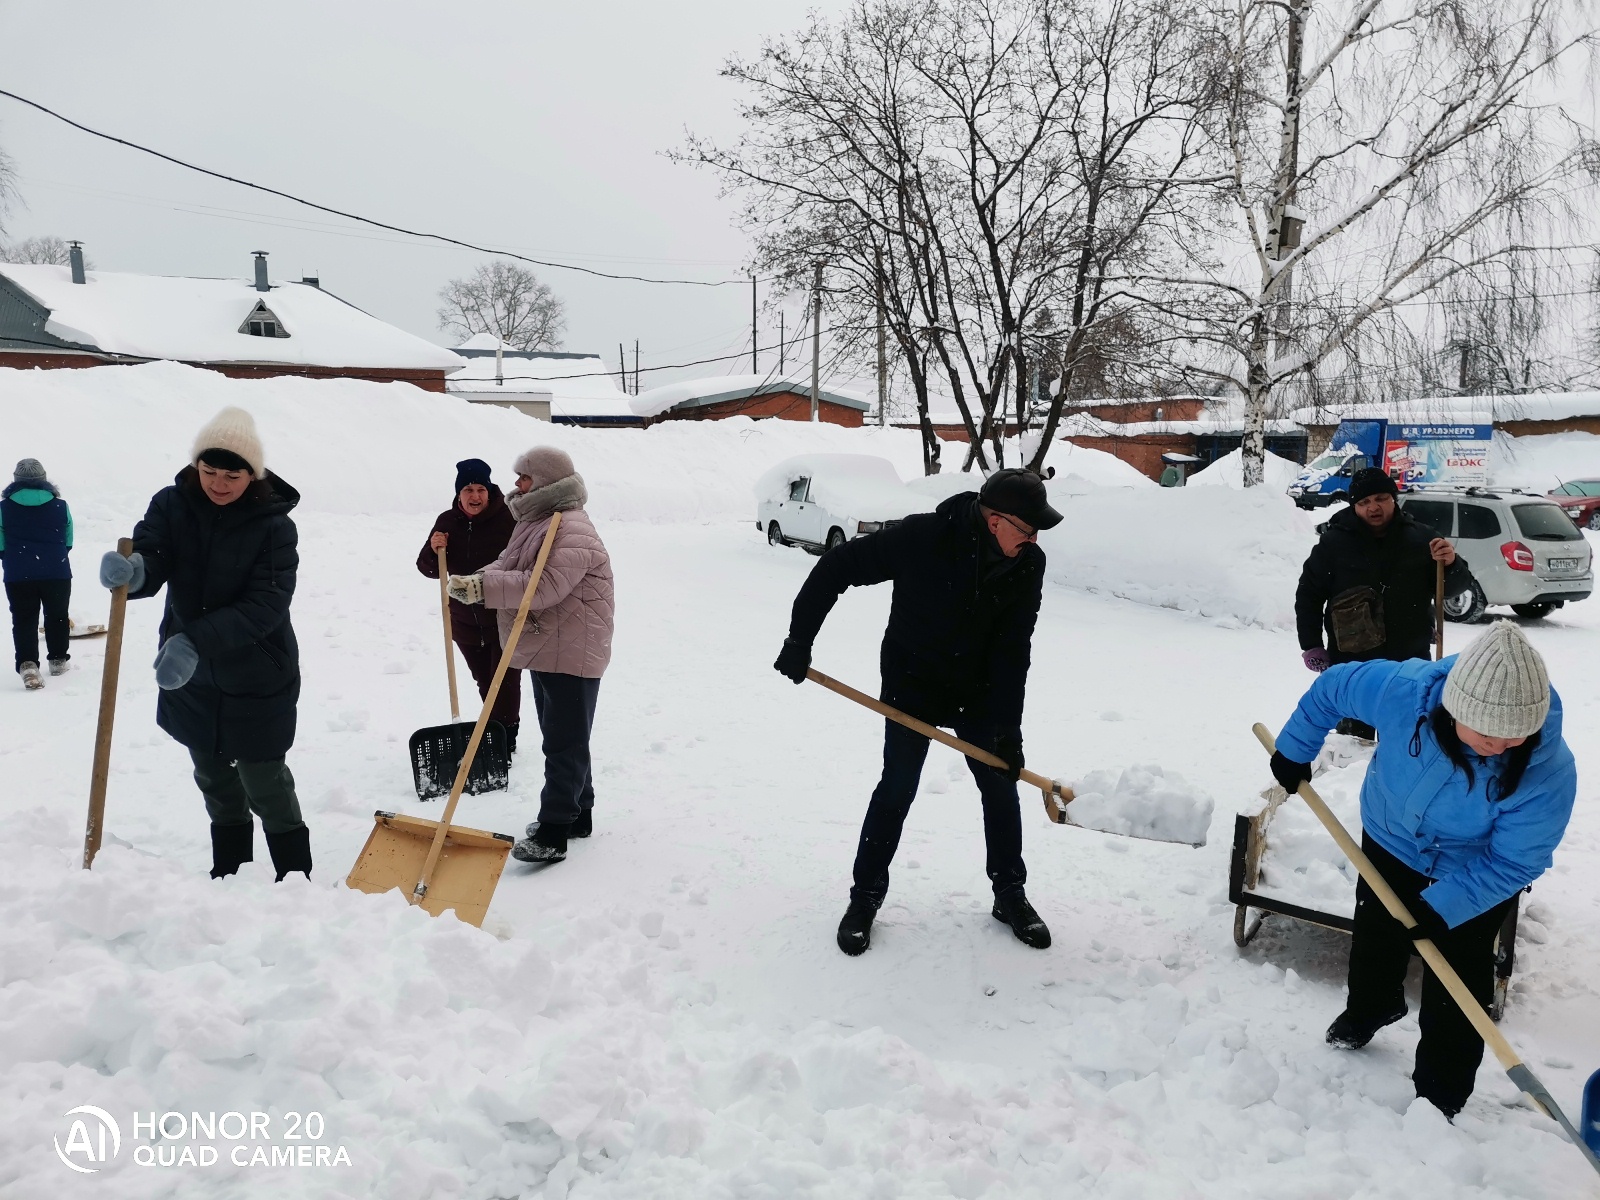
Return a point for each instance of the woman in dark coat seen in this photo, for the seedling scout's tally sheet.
(221, 541)
(473, 532)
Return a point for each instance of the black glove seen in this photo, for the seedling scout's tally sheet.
(794, 660)
(1429, 924)
(1290, 773)
(1009, 747)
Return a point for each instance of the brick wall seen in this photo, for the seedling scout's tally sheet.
(785, 406)
(428, 381)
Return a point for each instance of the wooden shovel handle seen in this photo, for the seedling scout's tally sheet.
(101, 771)
(1438, 611)
(471, 752)
(449, 641)
(1052, 789)
(1431, 955)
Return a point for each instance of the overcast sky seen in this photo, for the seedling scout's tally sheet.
(533, 126)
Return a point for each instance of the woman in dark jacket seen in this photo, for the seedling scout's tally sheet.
(473, 532)
(220, 540)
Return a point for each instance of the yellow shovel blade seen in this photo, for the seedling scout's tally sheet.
(469, 866)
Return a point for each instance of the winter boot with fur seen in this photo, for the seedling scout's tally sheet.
(855, 928)
(231, 847)
(546, 844)
(59, 666)
(31, 679)
(1351, 1033)
(290, 851)
(1016, 912)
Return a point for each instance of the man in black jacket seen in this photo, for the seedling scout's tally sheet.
(1370, 583)
(968, 579)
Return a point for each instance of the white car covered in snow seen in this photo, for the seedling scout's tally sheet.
(819, 501)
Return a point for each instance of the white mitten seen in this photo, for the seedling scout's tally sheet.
(468, 589)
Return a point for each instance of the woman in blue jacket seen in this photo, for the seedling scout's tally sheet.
(1464, 803)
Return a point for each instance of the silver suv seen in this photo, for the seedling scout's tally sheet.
(1523, 549)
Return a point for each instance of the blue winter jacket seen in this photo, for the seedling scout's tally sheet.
(1416, 804)
(35, 533)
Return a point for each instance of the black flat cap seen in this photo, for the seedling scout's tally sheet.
(1020, 493)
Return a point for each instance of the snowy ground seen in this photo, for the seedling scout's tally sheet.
(665, 1014)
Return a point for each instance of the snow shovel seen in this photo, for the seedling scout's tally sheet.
(436, 751)
(1518, 1071)
(441, 865)
(108, 713)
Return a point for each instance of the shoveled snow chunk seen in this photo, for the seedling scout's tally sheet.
(1143, 801)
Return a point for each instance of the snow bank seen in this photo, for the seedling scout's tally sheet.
(1228, 471)
(1544, 462)
(111, 436)
(1230, 556)
(1143, 801)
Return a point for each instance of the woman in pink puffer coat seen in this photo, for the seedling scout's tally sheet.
(566, 643)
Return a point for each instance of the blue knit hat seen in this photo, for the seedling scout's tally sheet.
(471, 470)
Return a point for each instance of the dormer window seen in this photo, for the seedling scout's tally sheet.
(262, 322)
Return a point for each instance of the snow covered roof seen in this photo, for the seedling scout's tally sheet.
(1083, 425)
(580, 385)
(696, 393)
(203, 321)
(1538, 406)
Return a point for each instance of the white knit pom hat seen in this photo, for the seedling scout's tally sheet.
(1498, 685)
(233, 430)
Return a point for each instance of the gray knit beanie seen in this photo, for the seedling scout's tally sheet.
(544, 465)
(29, 470)
(1498, 685)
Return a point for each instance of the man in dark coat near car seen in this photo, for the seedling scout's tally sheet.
(968, 579)
(221, 542)
(1370, 581)
(473, 532)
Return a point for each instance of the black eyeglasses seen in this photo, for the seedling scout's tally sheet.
(1028, 535)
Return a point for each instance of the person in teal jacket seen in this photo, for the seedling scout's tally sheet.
(1466, 799)
(35, 544)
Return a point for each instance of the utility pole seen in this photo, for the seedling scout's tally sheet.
(622, 357)
(635, 366)
(883, 360)
(499, 360)
(754, 369)
(780, 341)
(816, 342)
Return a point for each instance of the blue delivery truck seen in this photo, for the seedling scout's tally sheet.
(1413, 453)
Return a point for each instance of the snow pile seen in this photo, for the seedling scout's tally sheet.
(1227, 555)
(862, 486)
(1228, 471)
(1301, 863)
(1544, 462)
(1143, 801)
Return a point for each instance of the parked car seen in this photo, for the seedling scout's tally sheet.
(1580, 500)
(1523, 549)
(819, 501)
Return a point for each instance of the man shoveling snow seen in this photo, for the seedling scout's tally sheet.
(968, 579)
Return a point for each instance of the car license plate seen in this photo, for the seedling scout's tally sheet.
(1564, 564)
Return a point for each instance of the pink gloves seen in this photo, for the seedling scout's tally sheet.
(1316, 659)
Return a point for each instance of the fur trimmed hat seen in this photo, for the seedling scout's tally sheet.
(1498, 685)
(544, 465)
(233, 431)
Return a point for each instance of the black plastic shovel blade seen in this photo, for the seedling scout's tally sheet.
(436, 757)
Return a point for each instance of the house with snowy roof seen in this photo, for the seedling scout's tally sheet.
(67, 316)
(563, 386)
(758, 396)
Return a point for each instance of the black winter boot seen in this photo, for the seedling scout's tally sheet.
(547, 844)
(231, 847)
(511, 739)
(1016, 912)
(290, 851)
(855, 929)
(1352, 1033)
(584, 825)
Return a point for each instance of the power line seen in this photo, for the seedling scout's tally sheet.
(350, 216)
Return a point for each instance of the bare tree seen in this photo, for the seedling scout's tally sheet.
(47, 249)
(506, 300)
(1418, 141)
(8, 188)
(998, 157)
